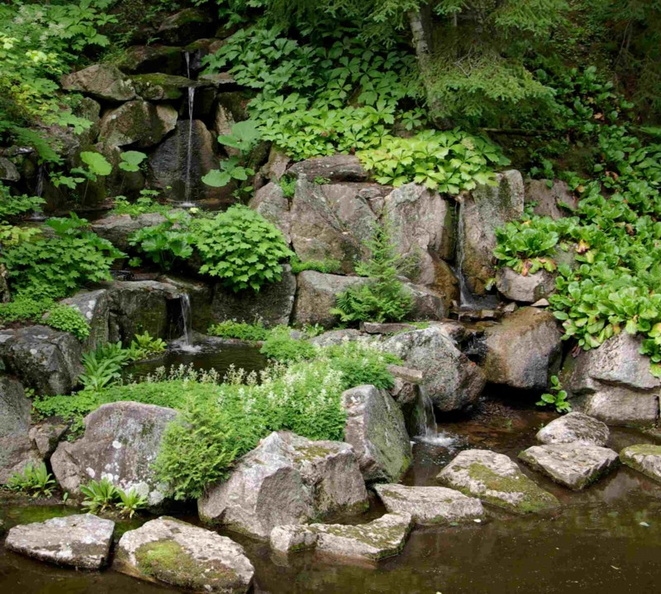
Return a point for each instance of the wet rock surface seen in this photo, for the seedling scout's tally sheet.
(80, 541)
(524, 289)
(574, 427)
(643, 458)
(574, 465)
(185, 556)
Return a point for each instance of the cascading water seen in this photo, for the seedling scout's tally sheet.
(185, 342)
(37, 214)
(427, 431)
(189, 145)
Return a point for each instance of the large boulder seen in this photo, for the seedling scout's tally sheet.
(42, 358)
(376, 429)
(574, 427)
(287, 479)
(173, 552)
(484, 210)
(137, 123)
(496, 479)
(95, 308)
(451, 380)
(523, 350)
(613, 382)
(16, 449)
(121, 443)
(273, 304)
(374, 541)
(8, 171)
(644, 458)
(336, 168)
(423, 229)
(551, 198)
(162, 87)
(270, 202)
(524, 289)
(118, 228)
(143, 59)
(80, 541)
(185, 26)
(103, 81)
(574, 465)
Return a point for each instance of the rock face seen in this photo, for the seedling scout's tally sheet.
(286, 480)
(185, 26)
(524, 350)
(45, 437)
(118, 228)
(574, 465)
(574, 427)
(377, 540)
(524, 289)
(497, 480)
(143, 59)
(185, 556)
(43, 358)
(614, 382)
(484, 210)
(336, 168)
(95, 307)
(273, 304)
(8, 171)
(16, 450)
(270, 202)
(452, 381)
(137, 123)
(422, 223)
(121, 443)
(550, 201)
(644, 458)
(430, 505)
(81, 541)
(376, 429)
(102, 81)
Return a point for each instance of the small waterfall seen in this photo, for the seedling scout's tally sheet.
(466, 299)
(188, 203)
(185, 342)
(426, 423)
(37, 214)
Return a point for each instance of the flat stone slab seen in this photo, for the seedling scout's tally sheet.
(574, 427)
(497, 480)
(574, 465)
(81, 541)
(376, 540)
(430, 505)
(643, 458)
(185, 556)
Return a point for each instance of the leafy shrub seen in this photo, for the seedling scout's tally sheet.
(167, 242)
(325, 266)
(239, 330)
(14, 206)
(144, 346)
(23, 308)
(361, 364)
(34, 480)
(280, 346)
(146, 203)
(557, 397)
(69, 319)
(102, 496)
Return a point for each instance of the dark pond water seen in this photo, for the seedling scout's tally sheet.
(604, 540)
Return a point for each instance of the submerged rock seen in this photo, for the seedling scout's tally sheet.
(287, 479)
(81, 541)
(574, 427)
(121, 443)
(524, 289)
(574, 465)
(377, 540)
(644, 458)
(452, 381)
(185, 556)
(375, 428)
(430, 505)
(497, 480)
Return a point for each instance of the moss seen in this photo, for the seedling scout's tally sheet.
(643, 449)
(388, 539)
(310, 453)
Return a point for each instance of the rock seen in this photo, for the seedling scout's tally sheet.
(574, 427)
(42, 358)
(185, 26)
(95, 308)
(139, 306)
(121, 443)
(446, 282)
(16, 450)
(574, 465)
(422, 229)
(452, 381)
(199, 296)
(144, 59)
(375, 428)
(523, 350)
(277, 164)
(103, 81)
(80, 541)
(624, 408)
(273, 304)
(184, 556)
(550, 201)
(524, 289)
(5, 293)
(137, 123)
(374, 541)
(118, 228)
(428, 305)
(46, 436)
(497, 480)
(336, 168)
(481, 213)
(8, 171)
(392, 328)
(644, 458)
(335, 337)
(270, 202)
(162, 87)
(287, 479)
(430, 505)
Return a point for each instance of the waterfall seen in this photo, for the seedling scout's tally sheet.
(186, 321)
(189, 147)
(466, 299)
(37, 214)
(426, 429)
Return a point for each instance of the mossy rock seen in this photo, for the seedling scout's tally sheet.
(645, 458)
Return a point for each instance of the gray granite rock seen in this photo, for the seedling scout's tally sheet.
(103, 81)
(336, 168)
(644, 458)
(524, 289)
(574, 427)
(95, 308)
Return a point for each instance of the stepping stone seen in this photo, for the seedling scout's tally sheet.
(430, 505)
(574, 427)
(81, 541)
(644, 458)
(376, 540)
(185, 556)
(497, 480)
(574, 465)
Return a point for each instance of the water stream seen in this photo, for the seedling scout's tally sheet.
(188, 203)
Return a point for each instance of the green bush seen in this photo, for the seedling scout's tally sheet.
(280, 346)
(239, 330)
(69, 319)
(23, 308)
(325, 266)
(34, 480)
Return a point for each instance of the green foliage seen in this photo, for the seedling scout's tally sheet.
(96, 163)
(131, 161)
(102, 496)
(280, 346)
(362, 364)
(69, 319)
(146, 203)
(167, 242)
(288, 186)
(129, 502)
(144, 346)
(23, 308)
(557, 397)
(239, 330)
(34, 480)
(325, 266)
(14, 206)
